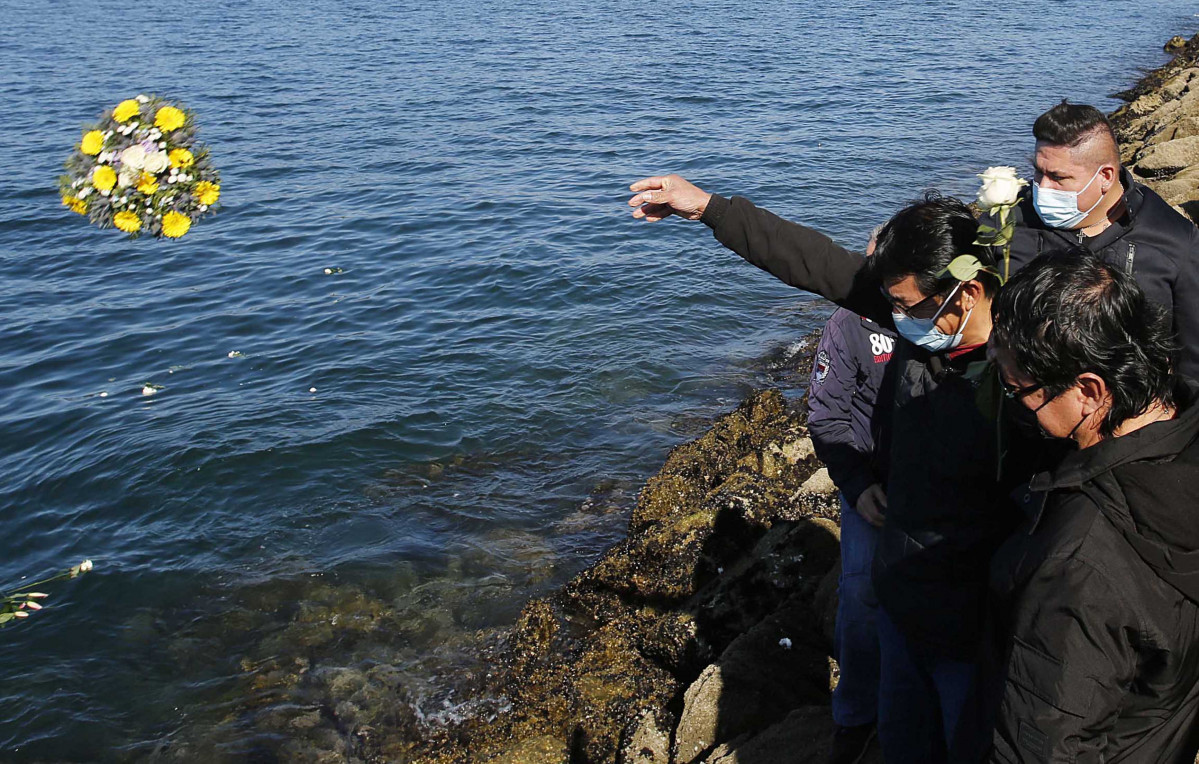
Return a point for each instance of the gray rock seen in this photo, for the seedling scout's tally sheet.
(818, 483)
(1164, 159)
(797, 450)
(1184, 127)
(801, 738)
(780, 664)
(697, 729)
(648, 744)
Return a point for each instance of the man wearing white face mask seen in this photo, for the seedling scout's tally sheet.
(947, 508)
(1082, 196)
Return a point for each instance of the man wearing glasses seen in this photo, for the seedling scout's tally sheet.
(947, 506)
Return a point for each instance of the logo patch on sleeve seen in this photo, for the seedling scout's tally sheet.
(822, 364)
(881, 346)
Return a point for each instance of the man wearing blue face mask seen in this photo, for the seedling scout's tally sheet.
(1083, 197)
(947, 508)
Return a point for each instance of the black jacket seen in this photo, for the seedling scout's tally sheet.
(1154, 243)
(946, 508)
(1101, 593)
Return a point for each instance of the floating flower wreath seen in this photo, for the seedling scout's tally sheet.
(140, 170)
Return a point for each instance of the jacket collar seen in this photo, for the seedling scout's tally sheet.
(1157, 440)
(1134, 199)
(873, 326)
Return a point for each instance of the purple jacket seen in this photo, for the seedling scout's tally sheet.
(847, 377)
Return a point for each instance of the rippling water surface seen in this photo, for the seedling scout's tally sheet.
(459, 416)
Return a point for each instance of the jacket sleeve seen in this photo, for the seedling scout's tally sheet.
(797, 255)
(1186, 306)
(830, 403)
(1070, 660)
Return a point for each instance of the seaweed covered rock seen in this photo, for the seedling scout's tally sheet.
(725, 557)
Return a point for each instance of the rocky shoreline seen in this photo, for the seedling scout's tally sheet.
(704, 636)
(1158, 127)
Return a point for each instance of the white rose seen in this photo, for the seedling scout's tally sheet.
(1000, 186)
(133, 157)
(128, 176)
(155, 162)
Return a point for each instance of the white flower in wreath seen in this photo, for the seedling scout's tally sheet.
(1000, 187)
(133, 157)
(128, 176)
(155, 162)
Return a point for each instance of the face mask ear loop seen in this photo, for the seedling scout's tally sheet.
(1088, 185)
(948, 300)
(1080, 421)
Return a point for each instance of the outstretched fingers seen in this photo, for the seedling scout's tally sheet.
(646, 184)
(653, 212)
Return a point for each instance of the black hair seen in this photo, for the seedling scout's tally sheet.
(923, 238)
(1067, 313)
(1069, 124)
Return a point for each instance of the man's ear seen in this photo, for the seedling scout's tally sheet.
(1109, 175)
(974, 290)
(1094, 392)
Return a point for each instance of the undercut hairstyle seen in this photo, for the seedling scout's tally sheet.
(1067, 313)
(1070, 124)
(923, 238)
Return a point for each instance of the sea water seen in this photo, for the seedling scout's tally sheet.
(423, 357)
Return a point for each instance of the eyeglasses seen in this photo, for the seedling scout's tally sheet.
(923, 309)
(1015, 393)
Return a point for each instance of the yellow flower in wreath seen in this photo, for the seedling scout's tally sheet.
(147, 184)
(125, 110)
(127, 221)
(207, 192)
(181, 158)
(93, 142)
(175, 224)
(169, 118)
(104, 178)
(77, 205)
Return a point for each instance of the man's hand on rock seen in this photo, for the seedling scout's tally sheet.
(662, 196)
(872, 505)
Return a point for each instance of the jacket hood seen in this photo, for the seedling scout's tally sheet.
(1157, 472)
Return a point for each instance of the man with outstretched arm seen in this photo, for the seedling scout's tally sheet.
(947, 508)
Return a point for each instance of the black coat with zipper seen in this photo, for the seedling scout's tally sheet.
(1098, 601)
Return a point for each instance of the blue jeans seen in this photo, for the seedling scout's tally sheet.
(922, 698)
(855, 640)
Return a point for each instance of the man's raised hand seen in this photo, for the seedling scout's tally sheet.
(665, 195)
